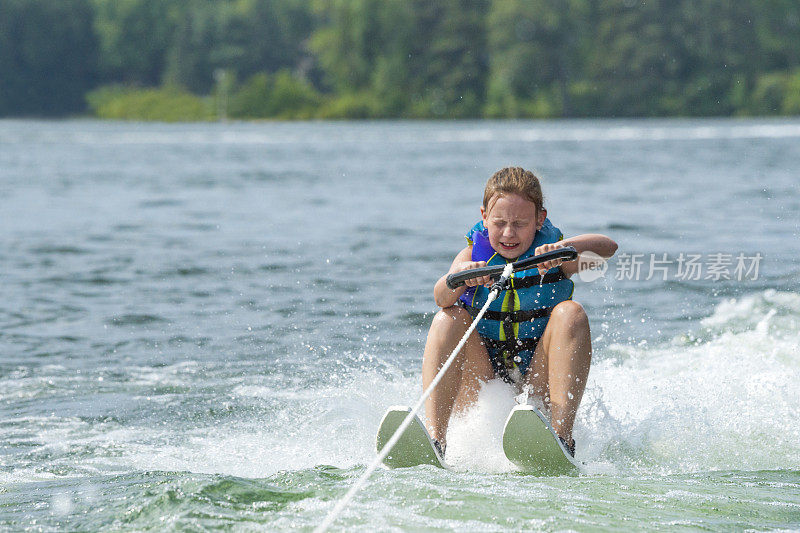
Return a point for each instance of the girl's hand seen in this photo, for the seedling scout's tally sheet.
(469, 265)
(547, 265)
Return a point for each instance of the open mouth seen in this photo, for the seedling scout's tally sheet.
(509, 246)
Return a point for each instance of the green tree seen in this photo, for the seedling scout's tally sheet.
(449, 58)
(166, 105)
(280, 95)
(135, 36)
(416, 58)
(408, 58)
(348, 42)
(533, 49)
(777, 28)
(48, 57)
(722, 56)
(264, 36)
(637, 59)
(189, 58)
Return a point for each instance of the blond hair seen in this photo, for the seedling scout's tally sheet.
(513, 180)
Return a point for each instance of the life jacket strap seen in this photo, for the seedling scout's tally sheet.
(510, 316)
(513, 346)
(526, 282)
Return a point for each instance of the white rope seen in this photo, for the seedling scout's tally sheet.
(399, 432)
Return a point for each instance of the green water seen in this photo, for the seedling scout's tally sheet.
(418, 500)
(202, 325)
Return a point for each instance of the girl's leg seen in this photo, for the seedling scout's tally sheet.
(465, 375)
(561, 365)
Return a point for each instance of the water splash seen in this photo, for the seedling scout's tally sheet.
(726, 399)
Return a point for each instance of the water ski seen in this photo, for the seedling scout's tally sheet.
(414, 448)
(531, 444)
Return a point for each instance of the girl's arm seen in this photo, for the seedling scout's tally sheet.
(445, 297)
(589, 242)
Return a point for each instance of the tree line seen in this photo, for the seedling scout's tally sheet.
(207, 59)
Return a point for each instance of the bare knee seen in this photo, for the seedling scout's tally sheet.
(451, 318)
(571, 314)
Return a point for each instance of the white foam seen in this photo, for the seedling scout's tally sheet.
(276, 134)
(726, 396)
(757, 310)
(475, 437)
(730, 402)
(332, 425)
(727, 402)
(630, 132)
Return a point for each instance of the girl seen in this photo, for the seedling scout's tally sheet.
(534, 334)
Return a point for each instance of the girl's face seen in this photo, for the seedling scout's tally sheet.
(512, 222)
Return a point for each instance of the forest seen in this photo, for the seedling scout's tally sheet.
(362, 59)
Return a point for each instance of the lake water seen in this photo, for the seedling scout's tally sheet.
(201, 325)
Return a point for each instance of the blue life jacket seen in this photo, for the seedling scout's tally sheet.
(516, 320)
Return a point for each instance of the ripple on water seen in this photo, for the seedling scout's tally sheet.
(59, 250)
(135, 319)
(416, 319)
(164, 202)
(140, 400)
(186, 271)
